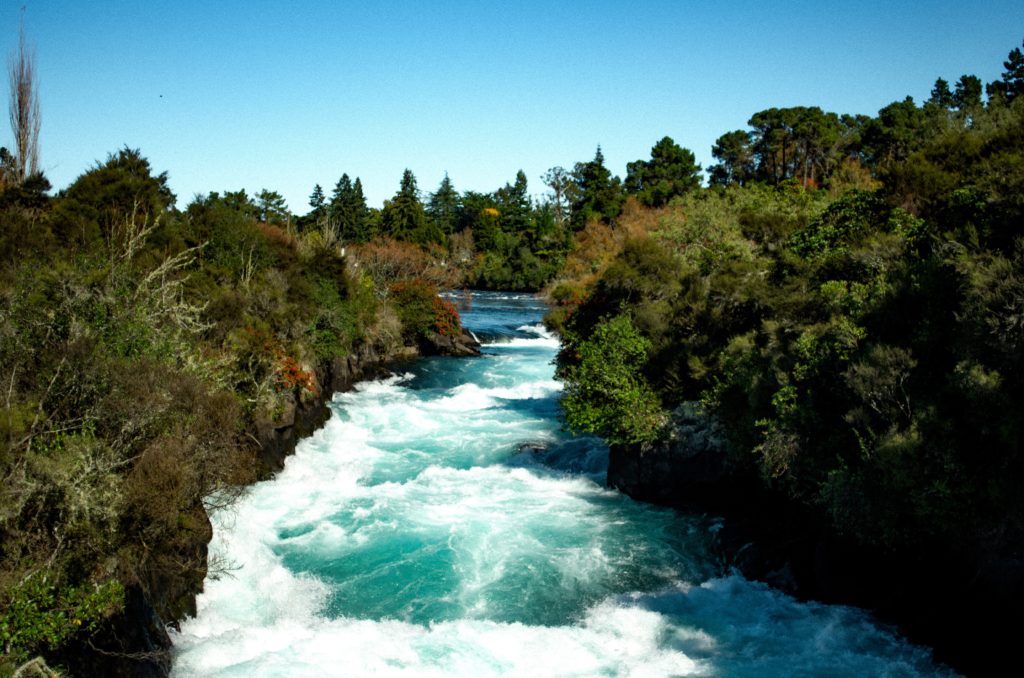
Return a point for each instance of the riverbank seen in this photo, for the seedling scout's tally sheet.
(139, 631)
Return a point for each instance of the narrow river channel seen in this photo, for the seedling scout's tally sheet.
(443, 524)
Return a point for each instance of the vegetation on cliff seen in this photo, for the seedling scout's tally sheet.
(505, 239)
(141, 345)
(846, 299)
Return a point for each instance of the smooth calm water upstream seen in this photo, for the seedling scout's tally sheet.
(442, 524)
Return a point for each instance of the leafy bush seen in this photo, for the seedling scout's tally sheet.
(422, 312)
(605, 392)
(862, 348)
(39, 614)
(446, 318)
(138, 349)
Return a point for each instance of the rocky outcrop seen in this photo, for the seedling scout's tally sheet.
(133, 644)
(463, 344)
(687, 468)
(301, 414)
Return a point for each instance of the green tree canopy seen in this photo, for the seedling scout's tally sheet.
(514, 206)
(1013, 76)
(272, 208)
(480, 214)
(895, 133)
(560, 183)
(318, 203)
(941, 95)
(967, 95)
(348, 211)
(121, 188)
(802, 142)
(735, 159)
(443, 207)
(598, 194)
(606, 392)
(404, 218)
(671, 171)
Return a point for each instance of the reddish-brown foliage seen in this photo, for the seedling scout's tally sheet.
(446, 318)
(388, 261)
(278, 236)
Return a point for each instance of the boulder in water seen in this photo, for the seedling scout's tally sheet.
(462, 344)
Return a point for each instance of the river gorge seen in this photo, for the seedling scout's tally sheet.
(443, 522)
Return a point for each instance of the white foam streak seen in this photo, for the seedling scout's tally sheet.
(724, 627)
(520, 342)
(468, 397)
(609, 641)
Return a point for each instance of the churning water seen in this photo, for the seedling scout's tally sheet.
(443, 524)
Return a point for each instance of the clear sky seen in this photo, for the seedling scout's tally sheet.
(283, 95)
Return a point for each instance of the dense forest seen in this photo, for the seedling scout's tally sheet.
(846, 300)
(150, 352)
(503, 240)
(143, 347)
(846, 296)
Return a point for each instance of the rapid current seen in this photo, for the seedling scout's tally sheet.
(443, 523)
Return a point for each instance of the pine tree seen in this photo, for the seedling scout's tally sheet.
(941, 96)
(599, 193)
(348, 212)
(443, 207)
(359, 214)
(671, 171)
(272, 208)
(735, 159)
(515, 206)
(339, 197)
(967, 94)
(1013, 77)
(318, 203)
(404, 218)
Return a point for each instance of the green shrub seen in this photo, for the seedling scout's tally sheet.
(38, 615)
(605, 391)
(422, 311)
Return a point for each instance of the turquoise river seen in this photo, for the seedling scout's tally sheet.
(443, 523)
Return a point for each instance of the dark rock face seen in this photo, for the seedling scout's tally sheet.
(688, 468)
(959, 601)
(461, 345)
(302, 416)
(135, 643)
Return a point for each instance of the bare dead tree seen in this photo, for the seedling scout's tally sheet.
(24, 108)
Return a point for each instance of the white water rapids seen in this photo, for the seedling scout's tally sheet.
(443, 524)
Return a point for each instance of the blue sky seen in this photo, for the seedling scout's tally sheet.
(284, 95)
